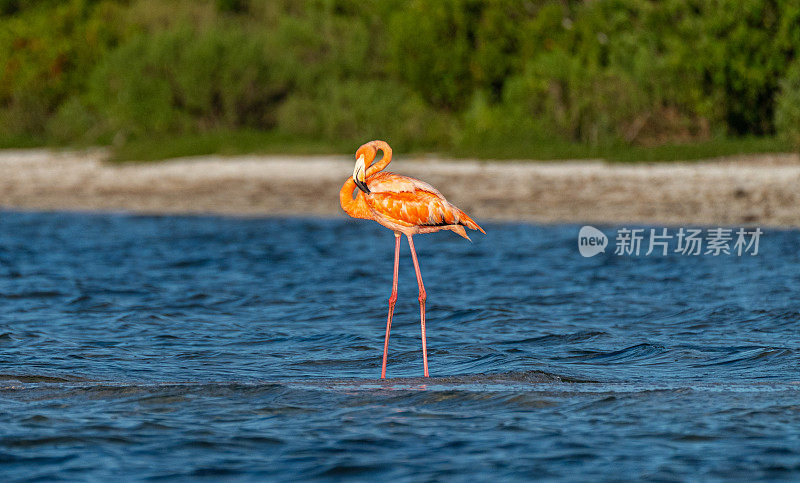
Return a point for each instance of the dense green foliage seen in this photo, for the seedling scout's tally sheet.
(456, 75)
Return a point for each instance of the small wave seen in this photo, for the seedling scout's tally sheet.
(476, 379)
(32, 294)
(35, 378)
(633, 353)
(570, 338)
(748, 356)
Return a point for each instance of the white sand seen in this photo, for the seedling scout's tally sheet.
(763, 189)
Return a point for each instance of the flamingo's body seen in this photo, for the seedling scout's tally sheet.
(404, 205)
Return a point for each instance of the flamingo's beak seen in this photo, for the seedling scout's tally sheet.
(359, 175)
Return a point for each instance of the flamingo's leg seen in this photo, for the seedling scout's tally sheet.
(422, 297)
(392, 301)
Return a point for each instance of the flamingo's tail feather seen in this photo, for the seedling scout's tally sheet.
(459, 229)
(469, 222)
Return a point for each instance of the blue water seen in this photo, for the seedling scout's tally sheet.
(156, 347)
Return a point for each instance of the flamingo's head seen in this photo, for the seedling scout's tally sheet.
(364, 157)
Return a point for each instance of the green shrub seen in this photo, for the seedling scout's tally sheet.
(787, 111)
(47, 50)
(445, 49)
(185, 80)
(429, 74)
(358, 110)
(76, 123)
(232, 75)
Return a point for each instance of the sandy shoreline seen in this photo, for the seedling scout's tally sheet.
(762, 190)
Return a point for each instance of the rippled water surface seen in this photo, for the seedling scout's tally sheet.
(152, 347)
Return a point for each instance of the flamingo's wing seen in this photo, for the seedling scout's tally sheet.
(387, 182)
(412, 202)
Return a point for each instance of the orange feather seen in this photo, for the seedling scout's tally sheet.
(401, 203)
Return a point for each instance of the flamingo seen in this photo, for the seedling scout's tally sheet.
(406, 206)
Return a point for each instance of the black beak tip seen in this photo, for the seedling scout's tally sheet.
(362, 186)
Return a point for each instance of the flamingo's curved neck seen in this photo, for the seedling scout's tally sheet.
(352, 206)
(346, 200)
(387, 157)
(357, 207)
